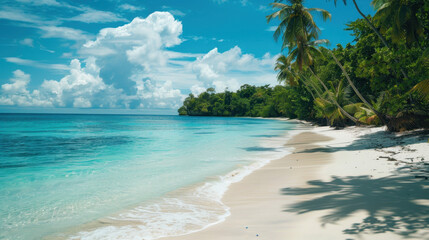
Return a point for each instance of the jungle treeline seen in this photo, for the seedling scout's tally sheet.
(381, 78)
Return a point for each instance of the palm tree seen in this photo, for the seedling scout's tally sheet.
(286, 73)
(331, 111)
(290, 76)
(299, 29)
(304, 53)
(383, 40)
(296, 22)
(379, 115)
(401, 16)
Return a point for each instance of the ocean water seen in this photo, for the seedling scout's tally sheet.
(124, 177)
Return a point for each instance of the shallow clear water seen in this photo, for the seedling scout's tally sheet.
(61, 171)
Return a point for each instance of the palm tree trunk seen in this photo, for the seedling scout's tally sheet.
(309, 90)
(309, 83)
(379, 115)
(355, 120)
(378, 34)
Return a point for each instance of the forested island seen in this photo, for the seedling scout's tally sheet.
(381, 78)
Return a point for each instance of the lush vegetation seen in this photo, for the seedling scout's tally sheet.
(382, 78)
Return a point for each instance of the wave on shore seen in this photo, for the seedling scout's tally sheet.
(184, 211)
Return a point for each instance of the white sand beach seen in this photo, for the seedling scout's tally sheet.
(355, 183)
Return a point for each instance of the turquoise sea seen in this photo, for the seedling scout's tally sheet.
(124, 176)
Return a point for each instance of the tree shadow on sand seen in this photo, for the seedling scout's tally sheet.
(393, 204)
(380, 139)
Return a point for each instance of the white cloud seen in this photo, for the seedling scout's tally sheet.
(27, 42)
(129, 7)
(16, 93)
(230, 84)
(96, 16)
(18, 83)
(132, 66)
(264, 8)
(157, 95)
(271, 28)
(197, 90)
(143, 40)
(176, 12)
(63, 32)
(233, 68)
(32, 63)
(79, 87)
(82, 87)
(13, 14)
(41, 2)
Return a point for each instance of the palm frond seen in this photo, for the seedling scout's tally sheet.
(422, 88)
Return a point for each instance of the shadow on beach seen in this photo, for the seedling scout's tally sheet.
(393, 204)
(377, 140)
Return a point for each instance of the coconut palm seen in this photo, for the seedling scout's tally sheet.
(331, 111)
(285, 71)
(291, 77)
(299, 31)
(379, 115)
(296, 22)
(303, 54)
(288, 74)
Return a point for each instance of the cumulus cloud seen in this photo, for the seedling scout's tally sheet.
(197, 89)
(157, 95)
(223, 70)
(16, 93)
(82, 87)
(18, 83)
(143, 40)
(140, 48)
(133, 66)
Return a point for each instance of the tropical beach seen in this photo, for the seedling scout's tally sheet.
(214, 119)
(336, 184)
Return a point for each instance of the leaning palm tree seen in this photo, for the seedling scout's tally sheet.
(379, 115)
(287, 73)
(298, 30)
(303, 54)
(331, 111)
(296, 22)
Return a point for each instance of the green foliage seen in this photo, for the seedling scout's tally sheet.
(391, 76)
(252, 101)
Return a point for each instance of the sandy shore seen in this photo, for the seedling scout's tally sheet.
(356, 183)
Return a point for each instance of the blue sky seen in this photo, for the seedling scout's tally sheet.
(129, 56)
